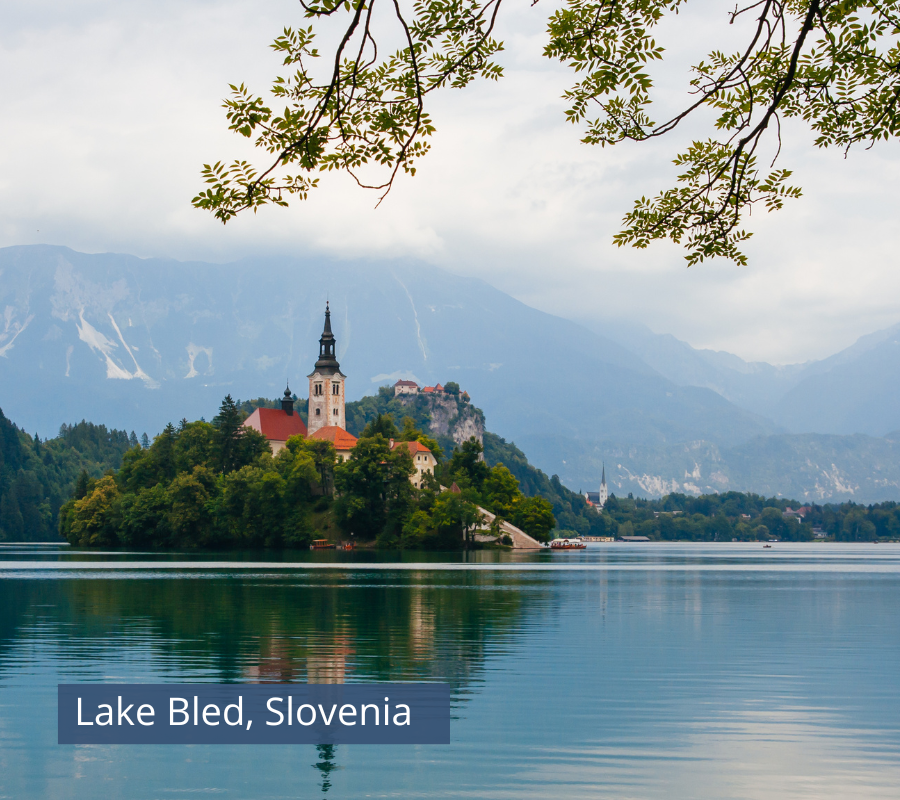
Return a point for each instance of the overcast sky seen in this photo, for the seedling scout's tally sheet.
(110, 108)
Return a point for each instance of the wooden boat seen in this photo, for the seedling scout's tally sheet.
(321, 544)
(767, 545)
(567, 544)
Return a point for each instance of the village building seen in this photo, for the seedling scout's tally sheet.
(406, 387)
(423, 460)
(277, 424)
(343, 442)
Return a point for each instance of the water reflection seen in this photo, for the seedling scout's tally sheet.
(700, 674)
(326, 764)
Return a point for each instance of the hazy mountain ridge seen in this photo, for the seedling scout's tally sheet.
(108, 337)
(852, 391)
(809, 467)
(136, 343)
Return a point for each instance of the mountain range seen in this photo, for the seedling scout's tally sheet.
(135, 343)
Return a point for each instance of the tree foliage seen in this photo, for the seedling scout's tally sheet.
(194, 488)
(36, 477)
(749, 517)
(832, 64)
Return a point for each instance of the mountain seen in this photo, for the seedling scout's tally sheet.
(135, 343)
(753, 385)
(810, 467)
(140, 342)
(853, 391)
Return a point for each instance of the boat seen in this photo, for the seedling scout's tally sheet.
(567, 544)
(767, 545)
(321, 544)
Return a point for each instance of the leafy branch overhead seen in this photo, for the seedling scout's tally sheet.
(834, 64)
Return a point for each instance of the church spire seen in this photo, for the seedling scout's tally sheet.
(603, 476)
(326, 344)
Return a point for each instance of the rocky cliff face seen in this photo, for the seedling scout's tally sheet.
(450, 416)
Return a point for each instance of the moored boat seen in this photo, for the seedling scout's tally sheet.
(321, 544)
(567, 544)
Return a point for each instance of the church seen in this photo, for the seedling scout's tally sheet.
(326, 418)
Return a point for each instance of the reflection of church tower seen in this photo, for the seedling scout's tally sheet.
(326, 384)
(604, 494)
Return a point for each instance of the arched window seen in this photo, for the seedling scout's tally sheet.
(318, 412)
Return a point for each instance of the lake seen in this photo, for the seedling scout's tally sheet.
(621, 671)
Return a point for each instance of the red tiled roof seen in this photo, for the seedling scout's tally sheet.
(413, 447)
(337, 436)
(427, 388)
(276, 425)
(406, 383)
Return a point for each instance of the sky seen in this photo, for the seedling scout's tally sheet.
(111, 108)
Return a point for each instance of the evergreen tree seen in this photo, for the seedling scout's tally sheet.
(228, 425)
(145, 440)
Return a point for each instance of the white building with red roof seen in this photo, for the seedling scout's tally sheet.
(423, 460)
(406, 387)
(277, 424)
(343, 442)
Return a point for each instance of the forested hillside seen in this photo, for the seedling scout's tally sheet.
(37, 477)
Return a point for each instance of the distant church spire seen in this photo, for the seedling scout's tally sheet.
(326, 344)
(603, 494)
(603, 476)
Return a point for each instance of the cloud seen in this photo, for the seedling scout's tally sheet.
(111, 108)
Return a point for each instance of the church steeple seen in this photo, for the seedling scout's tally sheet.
(326, 384)
(326, 345)
(287, 402)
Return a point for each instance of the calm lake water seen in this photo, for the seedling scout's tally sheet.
(624, 671)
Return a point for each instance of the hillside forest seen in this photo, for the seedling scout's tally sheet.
(215, 485)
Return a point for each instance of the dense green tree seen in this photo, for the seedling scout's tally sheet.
(534, 515)
(454, 518)
(37, 476)
(93, 520)
(827, 64)
(374, 492)
(382, 425)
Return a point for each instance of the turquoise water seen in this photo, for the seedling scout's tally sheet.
(623, 671)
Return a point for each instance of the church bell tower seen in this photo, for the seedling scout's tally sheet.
(326, 384)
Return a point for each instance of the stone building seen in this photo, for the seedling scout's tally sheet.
(326, 385)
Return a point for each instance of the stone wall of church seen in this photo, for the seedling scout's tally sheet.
(326, 406)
